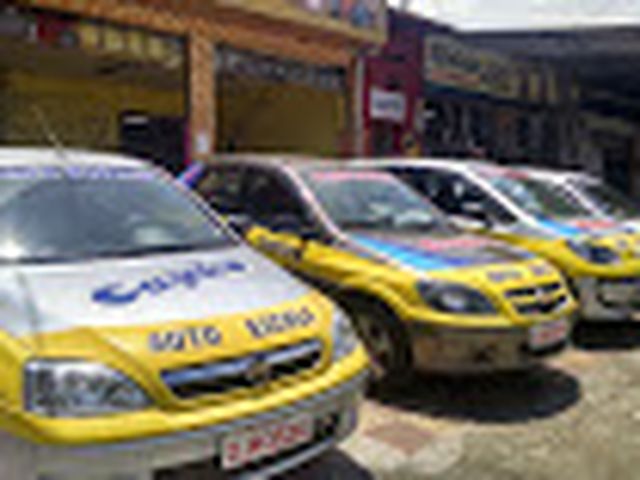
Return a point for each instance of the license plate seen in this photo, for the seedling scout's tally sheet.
(548, 334)
(249, 446)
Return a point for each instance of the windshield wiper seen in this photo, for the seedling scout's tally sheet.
(367, 224)
(160, 249)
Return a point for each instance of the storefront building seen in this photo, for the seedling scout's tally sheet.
(175, 80)
(458, 100)
(483, 104)
(393, 97)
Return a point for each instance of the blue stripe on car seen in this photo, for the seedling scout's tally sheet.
(413, 257)
(558, 228)
(192, 174)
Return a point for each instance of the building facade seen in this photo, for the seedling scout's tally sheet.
(393, 96)
(465, 101)
(174, 80)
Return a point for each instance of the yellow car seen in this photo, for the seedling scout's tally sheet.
(421, 293)
(140, 339)
(601, 258)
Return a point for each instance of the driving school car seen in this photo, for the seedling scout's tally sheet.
(601, 259)
(140, 339)
(421, 293)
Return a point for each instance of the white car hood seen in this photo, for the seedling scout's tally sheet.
(138, 291)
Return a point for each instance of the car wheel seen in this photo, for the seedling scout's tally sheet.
(385, 339)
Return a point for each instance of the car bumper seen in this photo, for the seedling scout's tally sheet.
(164, 458)
(608, 299)
(473, 350)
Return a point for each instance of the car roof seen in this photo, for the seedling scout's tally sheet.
(295, 162)
(557, 174)
(445, 163)
(42, 157)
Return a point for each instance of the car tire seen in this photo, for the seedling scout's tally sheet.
(385, 339)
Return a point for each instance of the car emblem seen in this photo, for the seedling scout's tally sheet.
(259, 372)
(542, 296)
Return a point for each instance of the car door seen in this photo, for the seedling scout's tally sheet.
(282, 225)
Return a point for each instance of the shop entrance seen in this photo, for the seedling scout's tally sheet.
(157, 138)
(267, 104)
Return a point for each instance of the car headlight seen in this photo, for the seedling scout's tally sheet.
(345, 339)
(593, 253)
(79, 389)
(454, 298)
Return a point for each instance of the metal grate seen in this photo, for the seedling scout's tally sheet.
(246, 372)
(538, 300)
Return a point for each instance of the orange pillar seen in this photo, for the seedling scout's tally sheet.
(202, 96)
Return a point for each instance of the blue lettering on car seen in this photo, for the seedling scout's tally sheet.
(274, 323)
(184, 339)
(122, 293)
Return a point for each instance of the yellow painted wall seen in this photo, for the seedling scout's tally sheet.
(261, 117)
(83, 112)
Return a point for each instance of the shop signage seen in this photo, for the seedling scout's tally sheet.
(452, 63)
(350, 16)
(132, 43)
(357, 13)
(387, 105)
(51, 29)
(244, 63)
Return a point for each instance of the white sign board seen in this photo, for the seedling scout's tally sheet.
(386, 105)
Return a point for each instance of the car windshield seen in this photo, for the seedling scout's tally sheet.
(371, 200)
(536, 197)
(610, 200)
(56, 214)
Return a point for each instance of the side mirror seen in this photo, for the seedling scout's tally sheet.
(475, 212)
(294, 225)
(239, 222)
(468, 223)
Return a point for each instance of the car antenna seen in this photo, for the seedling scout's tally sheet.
(50, 135)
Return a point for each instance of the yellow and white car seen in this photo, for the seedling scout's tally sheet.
(601, 258)
(139, 338)
(422, 294)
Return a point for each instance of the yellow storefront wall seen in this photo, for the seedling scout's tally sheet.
(82, 112)
(260, 117)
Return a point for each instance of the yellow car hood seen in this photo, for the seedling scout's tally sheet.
(148, 315)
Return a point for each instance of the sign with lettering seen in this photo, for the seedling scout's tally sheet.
(351, 17)
(386, 105)
(450, 62)
(269, 68)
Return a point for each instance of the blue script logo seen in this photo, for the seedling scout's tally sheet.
(121, 293)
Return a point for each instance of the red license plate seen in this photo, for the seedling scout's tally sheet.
(548, 334)
(250, 446)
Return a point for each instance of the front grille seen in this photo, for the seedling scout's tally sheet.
(538, 300)
(251, 371)
(546, 289)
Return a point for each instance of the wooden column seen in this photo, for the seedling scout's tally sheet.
(202, 95)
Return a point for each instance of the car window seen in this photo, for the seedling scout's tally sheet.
(222, 188)
(451, 192)
(534, 196)
(51, 215)
(271, 199)
(610, 200)
(360, 199)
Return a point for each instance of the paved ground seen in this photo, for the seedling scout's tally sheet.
(577, 418)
